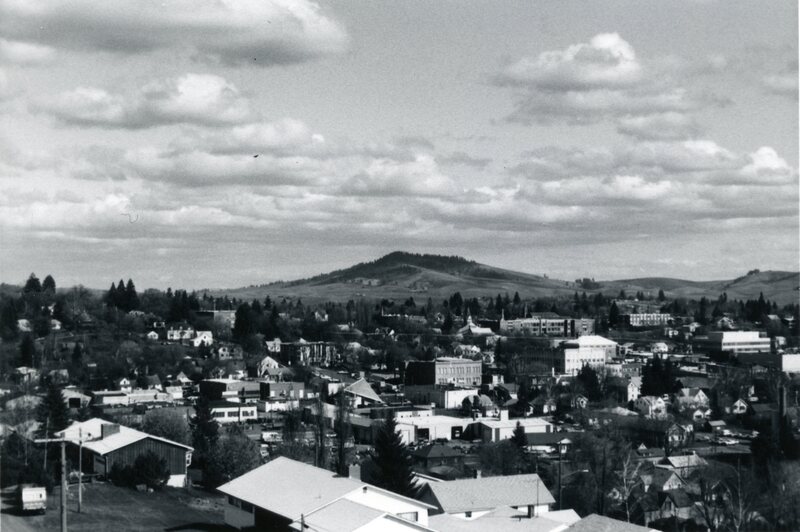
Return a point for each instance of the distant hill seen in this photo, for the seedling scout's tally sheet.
(399, 275)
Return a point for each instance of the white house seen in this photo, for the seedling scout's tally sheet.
(739, 407)
(634, 388)
(124, 385)
(691, 397)
(152, 335)
(650, 405)
(180, 334)
(288, 495)
(203, 338)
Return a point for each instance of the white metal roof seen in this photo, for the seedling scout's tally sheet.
(91, 433)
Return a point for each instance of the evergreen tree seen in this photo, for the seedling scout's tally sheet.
(131, 297)
(52, 413)
(517, 299)
(661, 295)
(77, 354)
(518, 437)
(590, 382)
(244, 324)
(49, 284)
(392, 461)
(613, 314)
(8, 320)
(32, 285)
(27, 350)
(342, 428)
(205, 430)
(111, 296)
(122, 296)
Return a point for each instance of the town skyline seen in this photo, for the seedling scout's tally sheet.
(555, 138)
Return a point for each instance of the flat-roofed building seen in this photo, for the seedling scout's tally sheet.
(502, 427)
(735, 342)
(230, 412)
(548, 324)
(646, 319)
(444, 370)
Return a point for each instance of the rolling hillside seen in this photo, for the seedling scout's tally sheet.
(400, 275)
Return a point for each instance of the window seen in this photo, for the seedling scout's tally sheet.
(468, 514)
(410, 516)
(247, 507)
(219, 414)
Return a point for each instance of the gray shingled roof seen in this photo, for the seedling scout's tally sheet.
(490, 492)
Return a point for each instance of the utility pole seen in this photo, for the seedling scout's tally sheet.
(63, 443)
(560, 488)
(80, 470)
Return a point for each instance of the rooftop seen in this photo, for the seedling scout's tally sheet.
(488, 493)
(92, 431)
(600, 523)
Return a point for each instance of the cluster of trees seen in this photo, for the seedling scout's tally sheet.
(222, 457)
(123, 296)
(659, 377)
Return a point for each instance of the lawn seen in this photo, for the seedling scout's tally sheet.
(107, 507)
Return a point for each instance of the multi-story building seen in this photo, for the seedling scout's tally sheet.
(649, 319)
(548, 324)
(567, 357)
(738, 342)
(444, 370)
(304, 353)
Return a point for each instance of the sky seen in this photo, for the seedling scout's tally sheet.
(198, 143)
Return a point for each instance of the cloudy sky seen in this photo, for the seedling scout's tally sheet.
(609, 139)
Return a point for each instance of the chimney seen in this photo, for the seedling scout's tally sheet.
(503, 414)
(107, 429)
(477, 473)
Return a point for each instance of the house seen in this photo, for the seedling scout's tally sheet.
(579, 401)
(676, 503)
(25, 375)
(501, 428)
(58, 376)
(683, 465)
(661, 479)
(152, 382)
(738, 408)
(547, 442)
(543, 405)
(205, 338)
(152, 336)
(474, 497)
(436, 455)
(691, 397)
(124, 385)
(506, 519)
(650, 405)
(362, 394)
(601, 523)
(75, 399)
(634, 388)
(716, 425)
(273, 346)
(285, 495)
(230, 412)
(183, 332)
(107, 444)
(24, 325)
(701, 414)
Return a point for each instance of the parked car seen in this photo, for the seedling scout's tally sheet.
(32, 498)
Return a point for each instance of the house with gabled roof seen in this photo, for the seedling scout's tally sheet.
(285, 494)
(362, 394)
(474, 497)
(107, 444)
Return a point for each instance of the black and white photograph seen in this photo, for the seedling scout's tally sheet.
(399, 266)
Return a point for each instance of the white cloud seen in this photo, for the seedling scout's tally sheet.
(607, 61)
(203, 99)
(660, 126)
(589, 82)
(25, 53)
(255, 32)
(386, 177)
